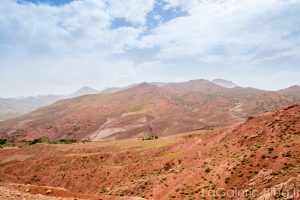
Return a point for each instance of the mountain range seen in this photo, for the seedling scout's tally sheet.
(13, 107)
(147, 109)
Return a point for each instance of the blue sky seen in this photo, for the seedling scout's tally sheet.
(57, 46)
(50, 2)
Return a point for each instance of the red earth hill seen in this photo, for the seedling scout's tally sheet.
(144, 110)
(261, 153)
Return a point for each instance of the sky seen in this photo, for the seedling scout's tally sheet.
(58, 46)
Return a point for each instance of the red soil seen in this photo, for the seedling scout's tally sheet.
(262, 152)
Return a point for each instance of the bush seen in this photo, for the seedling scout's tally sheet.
(207, 170)
(240, 174)
(40, 140)
(152, 137)
(250, 118)
(287, 154)
(3, 141)
(244, 161)
(270, 149)
(49, 141)
(65, 141)
(76, 128)
(227, 180)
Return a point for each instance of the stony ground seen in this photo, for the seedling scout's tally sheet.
(8, 194)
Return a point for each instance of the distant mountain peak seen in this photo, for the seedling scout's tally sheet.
(86, 88)
(84, 91)
(294, 87)
(198, 81)
(291, 88)
(291, 91)
(224, 83)
(144, 84)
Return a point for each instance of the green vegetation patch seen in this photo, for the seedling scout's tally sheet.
(50, 141)
(3, 141)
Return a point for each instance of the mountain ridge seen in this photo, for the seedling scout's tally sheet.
(13, 107)
(145, 109)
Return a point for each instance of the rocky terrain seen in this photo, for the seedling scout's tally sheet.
(258, 158)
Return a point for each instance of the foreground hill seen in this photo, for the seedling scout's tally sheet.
(256, 155)
(144, 110)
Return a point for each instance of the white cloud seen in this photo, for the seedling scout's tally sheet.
(229, 31)
(61, 48)
(134, 11)
(78, 27)
(50, 47)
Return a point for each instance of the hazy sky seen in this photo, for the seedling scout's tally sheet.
(57, 46)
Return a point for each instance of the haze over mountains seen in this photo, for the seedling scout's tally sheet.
(13, 107)
(147, 109)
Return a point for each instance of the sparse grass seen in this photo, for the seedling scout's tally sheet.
(171, 155)
(155, 144)
(139, 109)
(82, 154)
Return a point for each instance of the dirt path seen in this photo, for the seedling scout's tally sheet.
(7, 194)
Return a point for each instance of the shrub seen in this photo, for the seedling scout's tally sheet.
(207, 170)
(244, 161)
(3, 141)
(39, 140)
(250, 118)
(270, 149)
(65, 141)
(49, 141)
(76, 129)
(227, 180)
(152, 137)
(240, 174)
(287, 154)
